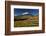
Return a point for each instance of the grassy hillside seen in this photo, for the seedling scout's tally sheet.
(30, 21)
(21, 17)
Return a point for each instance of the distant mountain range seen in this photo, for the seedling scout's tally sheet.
(28, 15)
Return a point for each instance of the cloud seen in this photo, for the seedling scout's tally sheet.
(25, 13)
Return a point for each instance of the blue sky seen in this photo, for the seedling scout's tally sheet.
(18, 11)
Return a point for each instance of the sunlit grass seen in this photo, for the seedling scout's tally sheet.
(31, 22)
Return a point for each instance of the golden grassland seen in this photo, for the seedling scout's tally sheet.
(30, 22)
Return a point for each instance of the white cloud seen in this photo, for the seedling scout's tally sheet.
(25, 13)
